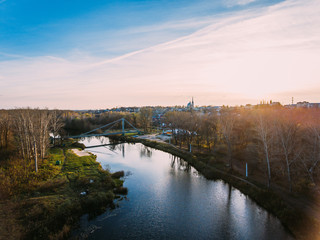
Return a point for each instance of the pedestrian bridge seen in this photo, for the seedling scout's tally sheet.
(109, 130)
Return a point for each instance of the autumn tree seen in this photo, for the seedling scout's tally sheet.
(170, 119)
(227, 120)
(287, 132)
(209, 129)
(145, 118)
(5, 125)
(32, 131)
(310, 158)
(265, 133)
(56, 124)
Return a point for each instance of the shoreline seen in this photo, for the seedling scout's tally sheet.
(69, 186)
(297, 222)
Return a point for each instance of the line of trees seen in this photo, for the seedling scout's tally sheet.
(5, 125)
(28, 130)
(76, 123)
(282, 143)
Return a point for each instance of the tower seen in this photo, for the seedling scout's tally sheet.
(192, 103)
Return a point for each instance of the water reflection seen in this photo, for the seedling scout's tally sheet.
(168, 199)
(180, 164)
(145, 151)
(123, 150)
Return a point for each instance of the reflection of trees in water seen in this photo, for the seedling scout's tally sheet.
(229, 195)
(179, 163)
(173, 161)
(112, 147)
(225, 214)
(114, 141)
(145, 151)
(116, 148)
(101, 139)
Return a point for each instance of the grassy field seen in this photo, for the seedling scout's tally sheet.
(50, 206)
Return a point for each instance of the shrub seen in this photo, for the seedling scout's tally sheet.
(118, 174)
(121, 190)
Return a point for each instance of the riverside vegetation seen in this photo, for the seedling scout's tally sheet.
(296, 220)
(281, 147)
(46, 201)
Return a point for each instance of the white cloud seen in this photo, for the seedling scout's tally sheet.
(238, 59)
(232, 3)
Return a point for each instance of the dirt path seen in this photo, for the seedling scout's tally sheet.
(155, 137)
(80, 153)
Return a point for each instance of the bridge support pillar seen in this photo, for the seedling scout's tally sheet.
(122, 126)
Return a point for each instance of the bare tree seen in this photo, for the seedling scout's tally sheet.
(287, 133)
(5, 125)
(56, 124)
(145, 118)
(264, 128)
(188, 126)
(171, 122)
(311, 156)
(227, 120)
(209, 128)
(44, 118)
(32, 132)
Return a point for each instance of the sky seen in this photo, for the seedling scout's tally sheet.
(100, 54)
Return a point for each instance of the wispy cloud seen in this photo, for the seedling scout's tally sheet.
(232, 3)
(233, 60)
(2, 1)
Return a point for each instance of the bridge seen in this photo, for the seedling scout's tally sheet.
(108, 131)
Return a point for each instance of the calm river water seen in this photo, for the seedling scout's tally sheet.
(167, 199)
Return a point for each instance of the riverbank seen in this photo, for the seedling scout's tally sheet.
(66, 187)
(286, 207)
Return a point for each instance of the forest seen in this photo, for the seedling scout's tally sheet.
(280, 145)
(25, 140)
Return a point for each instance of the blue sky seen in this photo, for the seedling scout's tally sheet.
(124, 53)
(35, 28)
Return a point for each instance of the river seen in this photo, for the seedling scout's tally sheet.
(168, 199)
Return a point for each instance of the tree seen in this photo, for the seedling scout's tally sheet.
(188, 126)
(32, 132)
(44, 118)
(311, 157)
(227, 120)
(5, 125)
(170, 119)
(287, 133)
(56, 124)
(264, 129)
(145, 118)
(209, 128)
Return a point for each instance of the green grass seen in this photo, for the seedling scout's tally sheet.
(53, 204)
(84, 164)
(130, 134)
